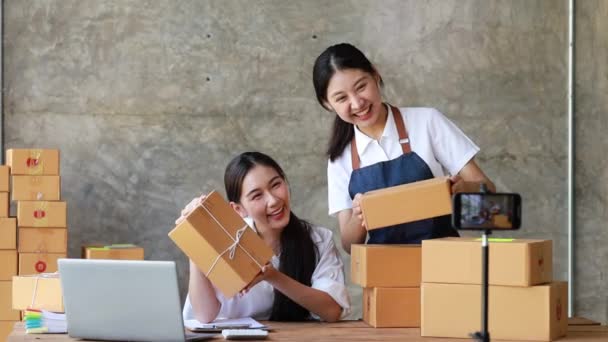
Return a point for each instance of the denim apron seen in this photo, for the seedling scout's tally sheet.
(407, 168)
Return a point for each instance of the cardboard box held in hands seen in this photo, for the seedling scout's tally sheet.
(222, 245)
(407, 203)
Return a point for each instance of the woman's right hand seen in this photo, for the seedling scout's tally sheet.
(191, 206)
(357, 212)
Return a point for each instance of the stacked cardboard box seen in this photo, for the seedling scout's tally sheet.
(524, 302)
(113, 252)
(41, 215)
(8, 256)
(391, 294)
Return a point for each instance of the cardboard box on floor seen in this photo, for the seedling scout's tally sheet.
(6, 327)
(42, 214)
(45, 240)
(513, 262)
(4, 204)
(407, 203)
(8, 233)
(206, 235)
(538, 313)
(48, 294)
(33, 161)
(116, 252)
(8, 264)
(385, 265)
(392, 307)
(36, 188)
(6, 294)
(35, 263)
(4, 178)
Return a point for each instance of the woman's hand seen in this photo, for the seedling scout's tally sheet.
(267, 272)
(190, 207)
(357, 212)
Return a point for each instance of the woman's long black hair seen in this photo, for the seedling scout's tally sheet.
(338, 57)
(298, 257)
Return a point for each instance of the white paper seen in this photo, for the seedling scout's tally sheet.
(234, 323)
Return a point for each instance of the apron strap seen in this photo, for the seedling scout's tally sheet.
(404, 139)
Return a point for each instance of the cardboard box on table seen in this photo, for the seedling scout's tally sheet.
(8, 233)
(385, 265)
(513, 262)
(48, 294)
(42, 214)
(41, 262)
(6, 328)
(36, 188)
(407, 203)
(115, 252)
(4, 178)
(392, 307)
(537, 313)
(206, 237)
(6, 311)
(8, 264)
(4, 204)
(45, 240)
(33, 161)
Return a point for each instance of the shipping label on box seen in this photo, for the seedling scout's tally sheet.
(407, 203)
(385, 265)
(36, 188)
(221, 244)
(4, 204)
(8, 233)
(42, 214)
(538, 313)
(392, 307)
(43, 290)
(513, 262)
(33, 161)
(45, 240)
(114, 252)
(35, 263)
(4, 178)
(8, 264)
(6, 294)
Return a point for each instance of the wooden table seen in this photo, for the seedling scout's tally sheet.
(346, 331)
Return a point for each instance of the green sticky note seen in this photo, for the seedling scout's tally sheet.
(97, 248)
(121, 245)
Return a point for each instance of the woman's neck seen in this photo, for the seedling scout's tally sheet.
(272, 238)
(375, 131)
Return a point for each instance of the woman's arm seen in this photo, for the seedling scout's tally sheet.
(352, 227)
(469, 179)
(205, 305)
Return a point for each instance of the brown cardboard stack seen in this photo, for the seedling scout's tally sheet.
(524, 302)
(41, 215)
(390, 277)
(114, 252)
(8, 257)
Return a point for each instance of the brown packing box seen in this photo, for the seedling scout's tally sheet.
(33, 161)
(537, 313)
(209, 231)
(116, 252)
(385, 265)
(8, 233)
(42, 214)
(407, 203)
(4, 178)
(4, 204)
(6, 328)
(36, 188)
(46, 240)
(392, 307)
(513, 262)
(34, 263)
(8, 264)
(48, 292)
(6, 311)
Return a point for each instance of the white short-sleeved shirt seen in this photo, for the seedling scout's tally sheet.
(437, 140)
(328, 276)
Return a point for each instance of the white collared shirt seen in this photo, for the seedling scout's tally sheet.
(328, 277)
(437, 140)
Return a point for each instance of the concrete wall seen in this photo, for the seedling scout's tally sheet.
(149, 100)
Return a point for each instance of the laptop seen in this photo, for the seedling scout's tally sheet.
(123, 300)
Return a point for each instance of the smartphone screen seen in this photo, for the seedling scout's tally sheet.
(499, 211)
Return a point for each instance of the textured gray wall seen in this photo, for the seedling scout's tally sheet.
(148, 101)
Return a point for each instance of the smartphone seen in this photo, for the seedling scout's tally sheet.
(494, 211)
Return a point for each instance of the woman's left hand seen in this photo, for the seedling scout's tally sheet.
(267, 272)
(458, 184)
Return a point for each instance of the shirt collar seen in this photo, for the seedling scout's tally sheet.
(390, 131)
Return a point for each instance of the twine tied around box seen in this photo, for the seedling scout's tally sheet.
(232, 248)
